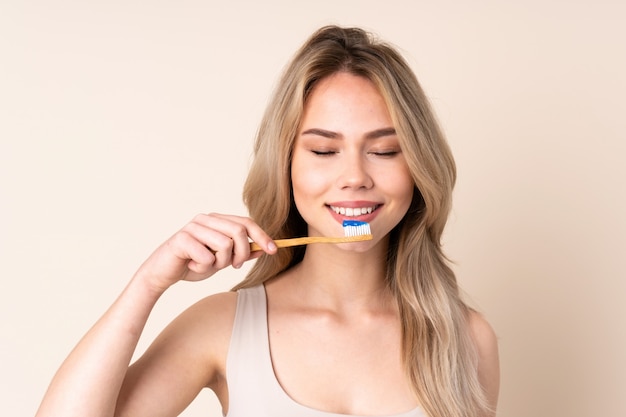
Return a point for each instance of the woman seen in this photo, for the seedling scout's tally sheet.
(370, 328)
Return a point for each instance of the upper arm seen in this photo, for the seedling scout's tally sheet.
(188, 355)
(486, 344)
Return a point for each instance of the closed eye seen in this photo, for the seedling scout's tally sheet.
(323, 152)
(385, 154)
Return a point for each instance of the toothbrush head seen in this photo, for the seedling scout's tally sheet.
(356, 228)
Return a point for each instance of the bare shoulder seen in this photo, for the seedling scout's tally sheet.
(208, 318)
(218, 310)
(482, 333)
(209, 322)
(202, 333)
(486, 343)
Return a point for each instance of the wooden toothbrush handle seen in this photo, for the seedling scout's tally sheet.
(297, 241)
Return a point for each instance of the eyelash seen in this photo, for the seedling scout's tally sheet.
(385, 154)
(323, 153)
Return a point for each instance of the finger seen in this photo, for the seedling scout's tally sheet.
(252, 230)
(216, 242)
(235, 228)
(240, 230)
(196, 255)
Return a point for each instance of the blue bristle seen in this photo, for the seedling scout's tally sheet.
(356, 228)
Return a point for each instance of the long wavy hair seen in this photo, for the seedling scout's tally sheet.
(438, 353)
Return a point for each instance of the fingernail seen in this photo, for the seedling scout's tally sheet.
(271, 246)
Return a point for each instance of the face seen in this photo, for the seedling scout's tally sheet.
(347, 162)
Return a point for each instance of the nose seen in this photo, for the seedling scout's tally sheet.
(354, 174)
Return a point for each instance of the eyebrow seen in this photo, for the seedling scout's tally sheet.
(374, 134)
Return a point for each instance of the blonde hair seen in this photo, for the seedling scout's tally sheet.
(438, 352)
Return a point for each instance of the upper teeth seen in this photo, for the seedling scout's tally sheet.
(352, 211)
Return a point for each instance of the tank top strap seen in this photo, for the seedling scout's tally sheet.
(248, 365)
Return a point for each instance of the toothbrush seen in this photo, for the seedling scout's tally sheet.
(354, 231)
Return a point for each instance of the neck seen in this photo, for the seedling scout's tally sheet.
(342, 279)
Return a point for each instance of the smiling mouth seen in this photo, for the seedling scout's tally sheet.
(353, 211)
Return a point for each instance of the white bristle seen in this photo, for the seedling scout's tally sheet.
(356, 228)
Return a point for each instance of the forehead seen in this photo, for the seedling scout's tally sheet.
(344, 99)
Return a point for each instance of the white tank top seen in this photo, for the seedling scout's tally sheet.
(253, 389)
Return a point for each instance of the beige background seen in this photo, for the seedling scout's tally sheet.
(120, 120)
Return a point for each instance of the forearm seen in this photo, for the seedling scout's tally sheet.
(89, 380)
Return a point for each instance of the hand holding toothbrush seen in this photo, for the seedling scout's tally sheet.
(207, 244)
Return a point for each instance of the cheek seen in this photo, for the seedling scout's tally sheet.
(307, 181)
(400, 184)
